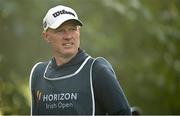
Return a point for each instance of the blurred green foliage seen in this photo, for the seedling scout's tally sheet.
(139, 37)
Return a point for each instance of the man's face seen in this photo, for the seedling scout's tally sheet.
(65, 39)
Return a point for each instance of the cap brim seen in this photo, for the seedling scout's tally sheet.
(59, 22)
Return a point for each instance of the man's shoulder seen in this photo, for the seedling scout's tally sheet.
(39, 66)
(101, 62)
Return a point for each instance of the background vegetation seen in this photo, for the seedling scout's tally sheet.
(139, 37)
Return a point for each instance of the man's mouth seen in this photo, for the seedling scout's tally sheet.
(67, 44)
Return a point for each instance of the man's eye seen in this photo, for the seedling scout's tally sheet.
(60, 30)
(73, 29)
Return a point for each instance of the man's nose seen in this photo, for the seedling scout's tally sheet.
(67, 35)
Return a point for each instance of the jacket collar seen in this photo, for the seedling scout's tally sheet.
(79, 58)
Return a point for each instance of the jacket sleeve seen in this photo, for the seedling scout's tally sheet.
(108, 92)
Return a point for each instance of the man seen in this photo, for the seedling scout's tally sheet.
(72, 82)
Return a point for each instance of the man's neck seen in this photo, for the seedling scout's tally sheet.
(63, 60)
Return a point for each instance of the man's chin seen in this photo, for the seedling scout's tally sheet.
(69, 54)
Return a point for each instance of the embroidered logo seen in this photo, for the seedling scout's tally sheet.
(38, 95)
(62, 12)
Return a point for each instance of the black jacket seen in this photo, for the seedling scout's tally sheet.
(92, 90)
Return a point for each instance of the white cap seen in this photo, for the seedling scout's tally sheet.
(58, 15)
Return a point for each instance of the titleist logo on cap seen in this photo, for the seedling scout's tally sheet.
(62, 12)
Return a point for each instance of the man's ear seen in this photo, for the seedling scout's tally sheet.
(45, 36)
